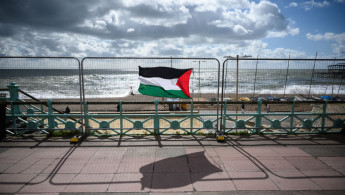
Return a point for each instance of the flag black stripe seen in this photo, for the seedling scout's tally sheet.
(162, 72)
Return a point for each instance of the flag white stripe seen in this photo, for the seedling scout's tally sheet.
(167, 84)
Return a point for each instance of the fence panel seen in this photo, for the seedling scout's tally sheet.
(31, 81)
(284, 77)
(116, 80)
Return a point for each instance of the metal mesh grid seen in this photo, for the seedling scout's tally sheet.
(282, 77)
(114, 79)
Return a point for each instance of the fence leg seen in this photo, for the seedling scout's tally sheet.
(121, 119)
(292, 116)
(191, 116)
(258, 117)
(156, 119)
(51, 122)
(224, 116)
(2, 121)
(324, 112)
(86, 115)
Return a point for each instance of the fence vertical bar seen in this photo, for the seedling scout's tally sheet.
(258, 117)
(324, 114)
(51, 122)
(292, 115)
(86, 118)
(2, 119)
(156, 119)
(191, 116)
(256, 71)
(14, 118)
(312, 75)
(224, 115)
(286, 76)
(121, 119)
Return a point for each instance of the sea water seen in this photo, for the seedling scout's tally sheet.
(107, 83)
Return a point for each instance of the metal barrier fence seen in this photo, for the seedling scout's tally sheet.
(97, 92)
(250, 77)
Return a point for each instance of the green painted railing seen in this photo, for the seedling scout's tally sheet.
(41, 116)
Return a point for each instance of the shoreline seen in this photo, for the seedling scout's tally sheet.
(276, 107)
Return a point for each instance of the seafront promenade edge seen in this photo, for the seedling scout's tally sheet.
(260, 164)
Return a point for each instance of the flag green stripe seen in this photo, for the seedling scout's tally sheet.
(160, 92)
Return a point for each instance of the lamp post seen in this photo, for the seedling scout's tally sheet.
(199, 79)
(237, 69)
(237, 73)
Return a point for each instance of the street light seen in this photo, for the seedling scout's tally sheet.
(199, 79)
(237, 62)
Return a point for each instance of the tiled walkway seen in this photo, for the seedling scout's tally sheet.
(289, 164)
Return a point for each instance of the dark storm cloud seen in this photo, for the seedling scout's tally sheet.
(65, 27)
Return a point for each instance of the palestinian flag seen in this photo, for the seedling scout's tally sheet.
(164, 82)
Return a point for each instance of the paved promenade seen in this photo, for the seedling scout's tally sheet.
(272, 164)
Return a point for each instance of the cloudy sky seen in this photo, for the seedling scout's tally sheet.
(178, 28)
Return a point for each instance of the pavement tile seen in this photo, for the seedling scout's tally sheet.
(277, 164)
(205, 164)
(44, 183)
(36, 168)
(200, 152)
(17, 152)
(12, 160)
(333, 161)
(168, 152)
(131, 182)
(135, 165)
(50, 152)
(90, 183)
(228, 152)
(3, 167)
(320, 173)
(10, 188)
(252, 181)
(240, 165)
(260, 151)
(68, 168)
(100, 160)
(289, 151)
(171, 182)
(291, 180)
(220, 181)
(139, 152)
(330, 183)
(177, 164)
(21, 178)
(307, 163)
(81, 154)
(100, 168)
(75, 161)
(109, 153)
(17, 168)
(46, 161)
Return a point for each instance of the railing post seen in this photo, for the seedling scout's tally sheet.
(2, 119)
(121, 118)
(324, 113)
(51, 122)
(14, 96)
(191, 116)
(156, 119)
(292, 115)
(258, 117)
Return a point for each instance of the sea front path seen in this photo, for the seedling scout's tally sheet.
(257, 164)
